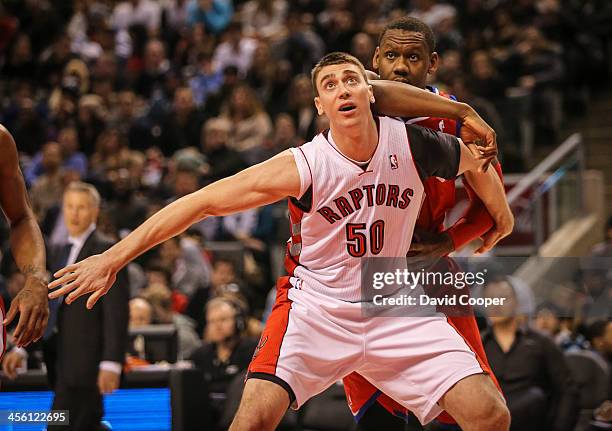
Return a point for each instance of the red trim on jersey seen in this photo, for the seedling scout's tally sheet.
(295, 217)
(265, 358)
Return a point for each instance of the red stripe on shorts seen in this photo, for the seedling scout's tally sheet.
(265, 358)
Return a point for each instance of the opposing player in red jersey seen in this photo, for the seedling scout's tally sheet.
(406, 53)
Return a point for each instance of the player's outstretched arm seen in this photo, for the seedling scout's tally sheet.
(397, 99)
(258, 185)
(27, 247)
(490, 189)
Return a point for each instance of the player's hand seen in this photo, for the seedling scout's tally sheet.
(92, 275)
(33, 307)
(431, 244)
(479, 137)
(11, 361)
(503, 227)
(108, 381)
(427, 248)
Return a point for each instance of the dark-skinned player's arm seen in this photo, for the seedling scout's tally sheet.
(397, 99)
(259, 185)
(475, 221)
(490, 189)
(27, 247)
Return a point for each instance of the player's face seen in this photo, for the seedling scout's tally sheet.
(344, 94)
(403, 56)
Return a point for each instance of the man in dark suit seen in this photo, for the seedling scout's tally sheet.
(85, 350)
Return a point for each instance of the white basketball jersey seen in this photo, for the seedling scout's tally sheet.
(355, 211)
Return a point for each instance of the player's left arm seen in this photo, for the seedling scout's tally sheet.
(27, 247)
(397, 99)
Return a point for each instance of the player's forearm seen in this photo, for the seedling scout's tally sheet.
(28, 247)
(402, 100)
(164, 224)
(490, 189)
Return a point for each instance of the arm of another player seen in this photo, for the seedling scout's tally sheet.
(490, 189)
(27, 247)
(259, 185)
(397, 99)
(476, 220)
(446, 156)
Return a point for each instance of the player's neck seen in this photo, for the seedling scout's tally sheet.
(357, 143)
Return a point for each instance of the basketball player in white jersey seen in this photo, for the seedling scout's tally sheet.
(355, 192)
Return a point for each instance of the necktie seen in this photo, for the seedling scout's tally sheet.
(54, 304)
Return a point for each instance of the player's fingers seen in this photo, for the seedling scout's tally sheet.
(30, 329)
(489, 241)
(65, 289)
(65, 270)
(66, 278)
(76, 294)
(41, 325)
(24, 318)
(12, 312)
(94, 298)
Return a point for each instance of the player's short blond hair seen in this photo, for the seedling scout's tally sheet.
(332, 59)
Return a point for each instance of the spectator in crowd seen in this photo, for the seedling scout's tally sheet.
(531, 370)
(185, 261)
(251, 125)
(262, 73)
(285, 136)
(599, 334)
(362, 47)
(223, 280)
(206, 80)
(302, 110)
(160, 298)
(141, 312)
(222, 161)
(150, 81)
(48, 187)
(181, 127)
(20, 62)
(264, 19)
(226, 351)
(215, 15)
(237, 50)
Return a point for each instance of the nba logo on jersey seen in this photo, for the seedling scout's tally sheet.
(393, 160)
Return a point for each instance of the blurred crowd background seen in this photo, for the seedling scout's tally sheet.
(150, 100)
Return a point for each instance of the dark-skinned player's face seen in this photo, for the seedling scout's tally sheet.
(404, 56)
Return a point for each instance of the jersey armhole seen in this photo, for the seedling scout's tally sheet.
(304, 201)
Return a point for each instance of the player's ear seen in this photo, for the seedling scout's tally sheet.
(434, 60)
(375, 59)
(371, 94)
(320, 109)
